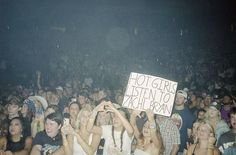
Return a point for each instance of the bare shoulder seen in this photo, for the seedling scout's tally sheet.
(3, 141)
(216, 151)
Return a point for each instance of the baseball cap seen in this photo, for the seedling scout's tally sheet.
(182, 93)
(215, 105)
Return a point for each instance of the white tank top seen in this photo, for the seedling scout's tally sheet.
(77, 149)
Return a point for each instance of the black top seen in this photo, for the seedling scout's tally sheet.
(15, 146)
(48, 144)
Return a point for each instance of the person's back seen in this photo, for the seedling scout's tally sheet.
(170, 134)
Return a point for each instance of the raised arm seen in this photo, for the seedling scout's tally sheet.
(36, 150)
(38, 74)
(211, 149)
(90, 125)
(124, 121)
(133, 117)
(67, 138)
(88, 148)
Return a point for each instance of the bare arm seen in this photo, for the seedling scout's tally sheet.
(133, 123)
(124, 121)
(174, 149)
(59, 151)
(37, 124)
(68, 140)
(36, 150)
(3, 143)
(89, 149)
(211, 149)
(38, 74)
(90, 125)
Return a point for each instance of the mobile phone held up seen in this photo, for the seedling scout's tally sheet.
(66, 119)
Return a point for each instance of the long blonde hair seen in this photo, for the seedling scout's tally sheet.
(86, 107)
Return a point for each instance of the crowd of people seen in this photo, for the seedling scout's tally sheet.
(76, 118)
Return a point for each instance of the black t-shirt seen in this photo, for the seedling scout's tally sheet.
(15, 146)
(48, 144)
(26, 126)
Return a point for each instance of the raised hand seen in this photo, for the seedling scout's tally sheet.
(67, 129)
(136, 113)
(150, 114)
(211, 140)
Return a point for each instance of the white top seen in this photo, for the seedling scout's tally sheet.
(140, 152)
(77, 149)
(109, 148)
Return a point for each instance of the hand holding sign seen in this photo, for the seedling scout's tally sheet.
(149, 92)
(150, 115)
(136, 113)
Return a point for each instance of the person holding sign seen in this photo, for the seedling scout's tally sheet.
(149, 141)
(118, 136)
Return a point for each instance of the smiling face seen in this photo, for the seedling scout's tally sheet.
(24, 109)
(74, 110)
(52, 128)
(179, 100)
(13, 109)
(15, 127)
(204, 131)
(212, 112)
(84, 117)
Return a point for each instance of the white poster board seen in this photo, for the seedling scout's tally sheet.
(150, 92)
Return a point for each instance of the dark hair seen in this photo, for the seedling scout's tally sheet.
(56, 116)
(125, 111)
(121, 138)
(19, 118)
(201, 110)
(14, 100)
(54, 107)
(232, 111)
(74, 102)
(21, 122)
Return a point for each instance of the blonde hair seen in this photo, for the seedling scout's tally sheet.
(207, 115)
(86, 107)
(209, 126)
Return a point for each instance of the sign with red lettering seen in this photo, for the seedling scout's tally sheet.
(150, 92)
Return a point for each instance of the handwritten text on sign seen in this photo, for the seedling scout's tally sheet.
(150, 92)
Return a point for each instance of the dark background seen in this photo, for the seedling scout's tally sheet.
(92, 37)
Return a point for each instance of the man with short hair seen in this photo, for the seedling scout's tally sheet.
(227, 105)
(227, 139)
(13, 107)
(183, 118)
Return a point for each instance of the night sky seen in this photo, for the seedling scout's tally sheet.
(129, 35)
